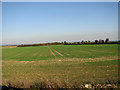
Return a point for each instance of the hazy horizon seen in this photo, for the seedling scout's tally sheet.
(37, 22)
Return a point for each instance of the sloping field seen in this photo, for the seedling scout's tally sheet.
(59, 51)
(59, 65)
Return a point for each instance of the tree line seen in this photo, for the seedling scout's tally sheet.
(88, 42)
(106, 41)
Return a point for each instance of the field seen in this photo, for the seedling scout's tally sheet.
(59, 65)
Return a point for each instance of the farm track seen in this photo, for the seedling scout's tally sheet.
(56, 52)
(42, 66)
(52, 52)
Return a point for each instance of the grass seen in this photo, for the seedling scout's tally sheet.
(26, 66)
(74, 51)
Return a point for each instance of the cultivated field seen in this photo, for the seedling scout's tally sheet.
(59, 65)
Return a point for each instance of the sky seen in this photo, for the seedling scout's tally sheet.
(60, 0)
(40, 22)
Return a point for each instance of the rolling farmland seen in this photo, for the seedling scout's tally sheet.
(59, 65)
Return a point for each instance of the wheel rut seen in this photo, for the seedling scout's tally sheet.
(52, 52)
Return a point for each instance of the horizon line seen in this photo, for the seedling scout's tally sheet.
(54, 41)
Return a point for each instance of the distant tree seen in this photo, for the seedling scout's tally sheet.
(102, 41)
(65, 42)
(96, 41)
(86, 42)
(61, 42)
(70, 43)
(74, 43)
(82, 42)
(78, 43)
(107, 40)
(118, 40)
(89, 42)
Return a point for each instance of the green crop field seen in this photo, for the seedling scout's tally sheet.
(59, 65)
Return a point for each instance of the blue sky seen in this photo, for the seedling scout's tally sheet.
(25, 22)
